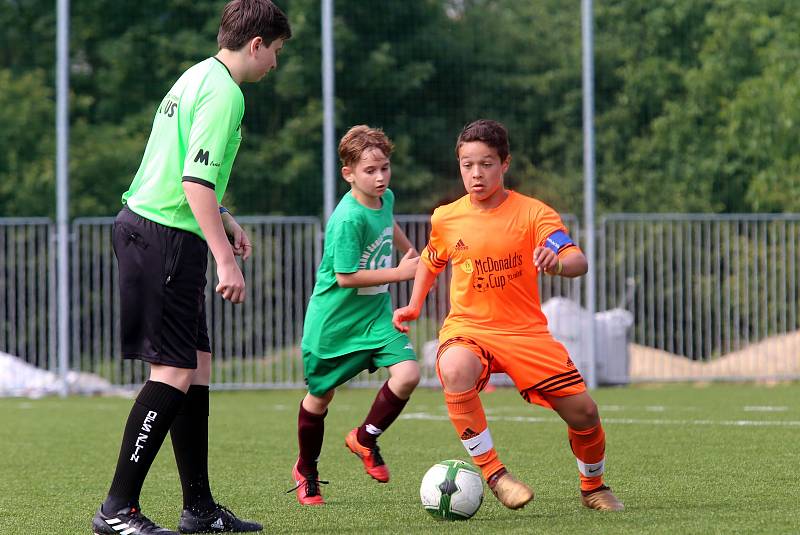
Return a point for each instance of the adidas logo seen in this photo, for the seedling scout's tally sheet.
(570, 364)
(117, 524)
(461, 246)
(468, 433)
(218, 524)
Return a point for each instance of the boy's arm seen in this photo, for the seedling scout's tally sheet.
(401, 241)
(363, 278)
(205, 208)
(556, 253)
(423, 281)
(236, 235)
(571, 263)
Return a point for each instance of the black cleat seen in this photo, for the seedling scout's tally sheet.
(128, 521)
(220, 520)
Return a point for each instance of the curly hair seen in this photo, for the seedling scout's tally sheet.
(359, 139)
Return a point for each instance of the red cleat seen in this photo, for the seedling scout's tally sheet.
(308, 492)
(371, 457)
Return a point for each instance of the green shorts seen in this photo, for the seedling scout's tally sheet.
(324, 374)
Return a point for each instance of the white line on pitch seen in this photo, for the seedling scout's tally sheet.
(632, 421)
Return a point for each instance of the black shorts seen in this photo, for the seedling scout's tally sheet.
(162, 281)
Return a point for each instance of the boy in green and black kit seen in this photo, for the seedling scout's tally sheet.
(348, 324)
(170, 219)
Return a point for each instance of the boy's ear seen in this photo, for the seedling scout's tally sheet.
(255, 43)
(506, 163)
(347, 174)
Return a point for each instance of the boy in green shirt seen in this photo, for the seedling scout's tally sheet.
(348, 324)
(170, 219)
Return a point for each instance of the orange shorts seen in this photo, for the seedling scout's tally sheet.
(538, 364)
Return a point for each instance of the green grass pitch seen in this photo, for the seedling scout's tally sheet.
(684, 459)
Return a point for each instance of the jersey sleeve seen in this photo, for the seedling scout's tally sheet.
(217, 117)
(550, 231)
(346, 248)
(388, 198)
(435, 255)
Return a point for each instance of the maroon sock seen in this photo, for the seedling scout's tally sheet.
(310, 430)
(385, 409)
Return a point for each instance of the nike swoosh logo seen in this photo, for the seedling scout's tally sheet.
(593, 471)
(475, 446)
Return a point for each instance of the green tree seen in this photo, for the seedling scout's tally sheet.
(695, 99)
(27, 144)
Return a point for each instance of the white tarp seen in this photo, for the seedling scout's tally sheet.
(20, 379)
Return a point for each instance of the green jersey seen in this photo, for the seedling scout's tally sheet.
(196, 134)
(344, 320)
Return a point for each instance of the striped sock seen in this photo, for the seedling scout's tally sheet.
(589, 447)
(466, 414)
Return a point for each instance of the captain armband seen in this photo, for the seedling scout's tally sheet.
(558, 241)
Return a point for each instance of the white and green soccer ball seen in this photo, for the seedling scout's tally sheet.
(452, 490)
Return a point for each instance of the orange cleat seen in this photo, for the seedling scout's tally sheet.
(371, 457)
(308, 492)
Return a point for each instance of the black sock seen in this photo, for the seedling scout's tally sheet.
(189, 434)
(148, 422)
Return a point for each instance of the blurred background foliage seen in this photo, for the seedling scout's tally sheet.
(696, 100)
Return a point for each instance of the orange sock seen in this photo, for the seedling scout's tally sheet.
(466, 413)
(589, 447)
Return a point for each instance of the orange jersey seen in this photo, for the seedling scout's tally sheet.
(494, 287)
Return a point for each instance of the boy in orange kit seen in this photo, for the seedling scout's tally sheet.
(498, 242)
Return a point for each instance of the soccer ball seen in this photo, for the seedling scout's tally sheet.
(480, 284)
(452, 490)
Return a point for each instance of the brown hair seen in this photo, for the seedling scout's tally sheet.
(360, 139)
(490, 132)
(242, 20)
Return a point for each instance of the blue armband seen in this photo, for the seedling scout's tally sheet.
(223, 210)
(558, 241)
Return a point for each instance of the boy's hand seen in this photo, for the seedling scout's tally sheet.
(231, 282)
(402, 315)
(407, 267)
(545, 259)
(240, 243)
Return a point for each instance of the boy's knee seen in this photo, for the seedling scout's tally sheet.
(318, 404)
(459, 369)
(412, 377)
(180, 378)
(404, 383)
(591, 413)
(587, 415)
(406, 373)
(455, 378)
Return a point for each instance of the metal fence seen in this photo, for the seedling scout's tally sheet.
(255, 344)
(27, 290)
(711, 297)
